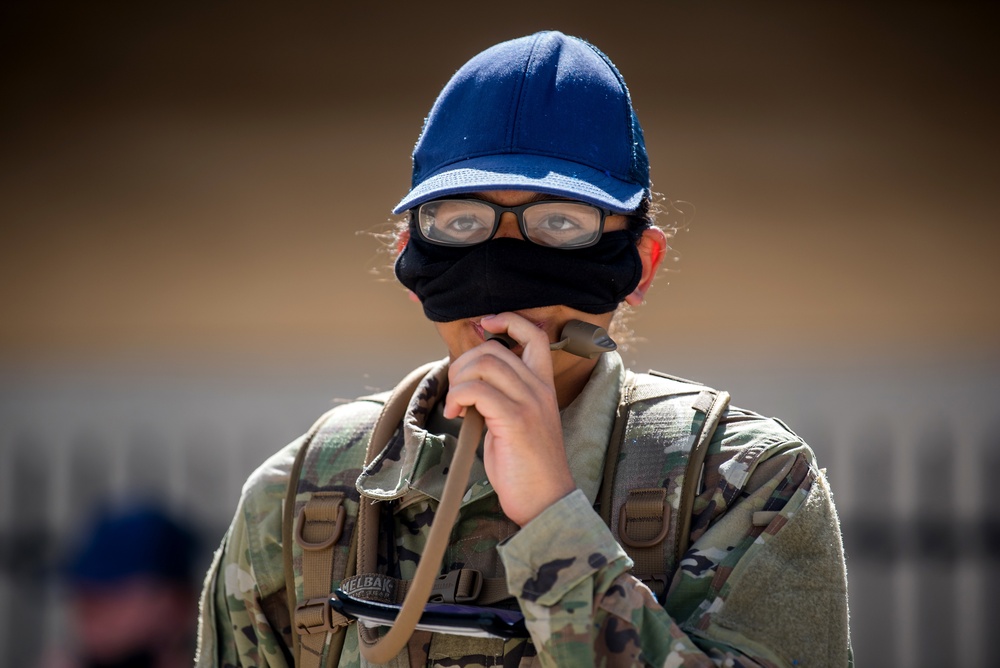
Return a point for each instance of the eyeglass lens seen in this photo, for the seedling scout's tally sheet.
(465, 222)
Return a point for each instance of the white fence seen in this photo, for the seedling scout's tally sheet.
(913, 459)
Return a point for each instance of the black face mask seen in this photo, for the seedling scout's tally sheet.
(508, 274)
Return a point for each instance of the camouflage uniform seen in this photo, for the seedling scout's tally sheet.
(763, 583)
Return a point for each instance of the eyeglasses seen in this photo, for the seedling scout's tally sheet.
(467, 222)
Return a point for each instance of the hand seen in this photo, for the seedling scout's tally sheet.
(524, 454)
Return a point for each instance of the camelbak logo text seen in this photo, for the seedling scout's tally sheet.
(371, 588)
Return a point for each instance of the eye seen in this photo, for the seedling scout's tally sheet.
(558, 223)
(562, 224)
(463, 223)
(456, 222)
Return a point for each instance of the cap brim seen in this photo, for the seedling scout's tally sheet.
(527, 172)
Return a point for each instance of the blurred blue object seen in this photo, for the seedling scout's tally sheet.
(131, 542)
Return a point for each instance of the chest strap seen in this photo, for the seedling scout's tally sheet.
(463, 585)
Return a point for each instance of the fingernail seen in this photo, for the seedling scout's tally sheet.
(490, 316)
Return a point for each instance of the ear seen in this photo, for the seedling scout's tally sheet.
(402, 238)
(652, 249)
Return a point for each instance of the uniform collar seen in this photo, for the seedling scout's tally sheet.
(412, 464)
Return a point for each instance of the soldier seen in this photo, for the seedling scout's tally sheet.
(530, 208)
(131, 593)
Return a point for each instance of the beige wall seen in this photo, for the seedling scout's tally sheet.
(186, 184)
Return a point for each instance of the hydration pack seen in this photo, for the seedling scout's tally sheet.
(652, 472)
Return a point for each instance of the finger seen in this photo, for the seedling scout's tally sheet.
(514, 424)
(500, 369)
(537, 354)
(487, 355)
(490, 401)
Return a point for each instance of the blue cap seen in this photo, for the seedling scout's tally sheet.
(139, 541)
(546, 113)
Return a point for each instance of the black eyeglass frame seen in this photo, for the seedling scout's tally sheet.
(518, 212)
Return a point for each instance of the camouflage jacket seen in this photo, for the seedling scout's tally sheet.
(763, 583)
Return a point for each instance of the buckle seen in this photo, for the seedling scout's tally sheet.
(459, 586)
(657, 583)
(316, 616)
(649, 579)
(649, 512)
(318, 511)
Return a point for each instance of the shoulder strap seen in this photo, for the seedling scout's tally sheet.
(654, 468)
(387, 423)
(287, 522)
(317, 528)
(711, 404)
(287, 532)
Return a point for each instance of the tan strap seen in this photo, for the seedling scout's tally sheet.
(320, 523)
(388, 422)
(463, 585)
(287, 530)
(643, 524)
(713, 404)
(494, 590)
(336, 646)
(644, 518)
(318, 527)
(467, 585)
(459, 586)
(614, 448)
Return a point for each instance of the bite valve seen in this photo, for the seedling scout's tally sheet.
(579, 338)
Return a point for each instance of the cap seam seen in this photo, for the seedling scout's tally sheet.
(516, 126)
(518, 97)
(628, 109)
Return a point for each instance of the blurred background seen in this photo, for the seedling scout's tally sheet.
(188, 192)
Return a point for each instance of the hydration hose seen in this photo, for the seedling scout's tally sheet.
(419, 592)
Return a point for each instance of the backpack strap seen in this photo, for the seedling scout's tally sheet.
(317, 529)
(386, 425)
(287, 532)
(711, 404)
(654, 467)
